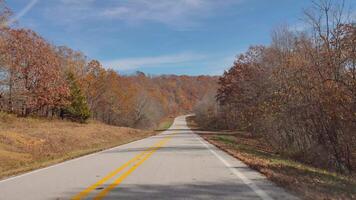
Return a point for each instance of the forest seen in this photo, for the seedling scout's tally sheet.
(298, 93)
(285, 109)
(40, 79)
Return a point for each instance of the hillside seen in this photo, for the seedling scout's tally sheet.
(30, 143)
(41, 79)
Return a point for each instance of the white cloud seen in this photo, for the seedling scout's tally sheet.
(352, 17)
(299, 27)
(219, 64)
(154, 61)
(77, 2)
(174, 13)
(23, 12)
(211, 64)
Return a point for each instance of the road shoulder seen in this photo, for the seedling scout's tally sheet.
(301, 180)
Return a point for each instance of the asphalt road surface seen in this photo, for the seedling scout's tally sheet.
(176, 164)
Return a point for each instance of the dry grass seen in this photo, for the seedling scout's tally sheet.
(30, 143)
(165, 123)
(305, 181)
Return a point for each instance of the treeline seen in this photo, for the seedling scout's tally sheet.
(38, 78)
(299, 93)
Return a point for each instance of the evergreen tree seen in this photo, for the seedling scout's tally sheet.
(78, 109)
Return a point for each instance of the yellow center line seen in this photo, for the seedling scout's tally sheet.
(85, 192)
(119, 180)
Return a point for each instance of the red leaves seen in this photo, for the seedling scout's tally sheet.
(34, 70)
(301, 96)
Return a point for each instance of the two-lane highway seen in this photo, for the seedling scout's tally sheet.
(176, 164)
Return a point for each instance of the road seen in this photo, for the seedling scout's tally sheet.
(176, 164)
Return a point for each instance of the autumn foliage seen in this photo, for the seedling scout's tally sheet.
(299, 93)
(31, 71)
(40, 79)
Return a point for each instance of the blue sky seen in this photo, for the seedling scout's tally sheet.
(159, 36)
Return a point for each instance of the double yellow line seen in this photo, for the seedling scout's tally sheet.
(136, 161)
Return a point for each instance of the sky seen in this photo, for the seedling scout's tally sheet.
(193, 37)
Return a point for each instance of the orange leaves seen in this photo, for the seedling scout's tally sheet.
(140, 100)
(34, 71)
(300, 93)
(33, 82)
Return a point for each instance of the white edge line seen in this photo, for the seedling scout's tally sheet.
(74, 159)
(262, 194)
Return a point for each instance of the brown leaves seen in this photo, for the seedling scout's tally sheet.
(34, 71)
(140, 100)
(300, 93)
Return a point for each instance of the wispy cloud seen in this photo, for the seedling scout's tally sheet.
(299, 27)
(212, 64)
(127, 64)
(174, 13)
(77, 2)
(161, 11)
(70, 12)
(23, 12)
(218, 65)
(352, 16)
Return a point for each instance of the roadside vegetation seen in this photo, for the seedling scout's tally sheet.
(165, 123)
(40, 79)
(56, 103)
(298, 94)
(30, 143)
(301, 179)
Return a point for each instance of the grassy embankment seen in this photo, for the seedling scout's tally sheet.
(303, 180)
(31, 143)
(164, 124)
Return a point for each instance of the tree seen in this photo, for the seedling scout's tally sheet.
(78, 109)
(38, 78)
(299, 93)
(34, 81)
(5, 14)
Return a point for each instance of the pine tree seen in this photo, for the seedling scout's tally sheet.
(78, 109)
